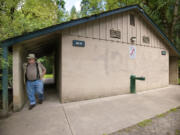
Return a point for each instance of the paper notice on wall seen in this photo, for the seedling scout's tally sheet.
(132, 52)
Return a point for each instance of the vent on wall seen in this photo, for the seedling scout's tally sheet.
(132, 20)
(115, 34)
(146, 40)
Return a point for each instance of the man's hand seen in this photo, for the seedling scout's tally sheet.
(43, 73)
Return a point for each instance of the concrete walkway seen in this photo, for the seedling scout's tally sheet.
(91, 117)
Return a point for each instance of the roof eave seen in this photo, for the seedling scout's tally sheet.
(160, 31)
(48, 30)
(11, 41)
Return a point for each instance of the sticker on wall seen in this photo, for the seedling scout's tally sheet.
(132, 52)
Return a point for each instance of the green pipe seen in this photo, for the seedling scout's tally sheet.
(133, 79)
(133, 84)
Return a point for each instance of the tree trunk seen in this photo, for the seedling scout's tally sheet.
(174, 20)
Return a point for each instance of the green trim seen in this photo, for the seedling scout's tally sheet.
(5, 79)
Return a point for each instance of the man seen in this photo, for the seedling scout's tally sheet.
(33, 74)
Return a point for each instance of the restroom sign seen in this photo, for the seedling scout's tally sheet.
(132, 52)
(78, 43)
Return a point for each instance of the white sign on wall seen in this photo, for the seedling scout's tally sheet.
(132, 52)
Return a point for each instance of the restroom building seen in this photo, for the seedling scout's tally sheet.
(96, 55)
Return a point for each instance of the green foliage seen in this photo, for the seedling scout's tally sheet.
(90, 7)
(162, 115)
(144, 123)
(18, 16)
(73, 13)
(48, 62)
(166, 113)
(112, 4)
(62, 15)
(172, 110)
(36, 14)
(48, 76)
(3, 62)
(177, 132)
(7, 9)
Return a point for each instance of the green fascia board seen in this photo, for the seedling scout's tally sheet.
(11, 41)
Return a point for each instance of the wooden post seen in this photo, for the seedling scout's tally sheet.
(5, 80)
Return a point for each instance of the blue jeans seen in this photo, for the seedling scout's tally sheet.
(34, 87)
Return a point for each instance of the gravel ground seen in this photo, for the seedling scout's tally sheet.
(164, 124)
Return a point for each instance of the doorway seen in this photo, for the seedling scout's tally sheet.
(48, 51)
(173, 70)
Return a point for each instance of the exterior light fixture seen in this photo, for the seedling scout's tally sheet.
(133, 39)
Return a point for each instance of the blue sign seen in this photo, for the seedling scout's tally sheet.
(78, 43)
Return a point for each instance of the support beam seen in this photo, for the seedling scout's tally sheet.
(5, 80)
(18, 78)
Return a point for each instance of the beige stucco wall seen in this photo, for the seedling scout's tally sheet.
(173, 70)
(103, 68)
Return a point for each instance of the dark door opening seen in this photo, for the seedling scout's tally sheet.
(50, 91)
(173, 70)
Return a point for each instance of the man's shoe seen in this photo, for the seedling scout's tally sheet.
(32, 106)
(40, 101)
